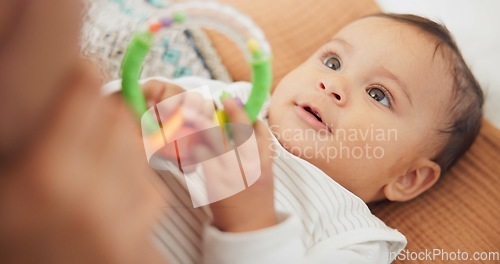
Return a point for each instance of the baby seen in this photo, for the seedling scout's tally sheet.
(379, 112)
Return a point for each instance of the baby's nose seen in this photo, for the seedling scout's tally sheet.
(336, 90)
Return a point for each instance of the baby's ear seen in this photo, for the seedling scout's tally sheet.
(417, 180)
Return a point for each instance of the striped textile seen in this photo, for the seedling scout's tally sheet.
(325, 208)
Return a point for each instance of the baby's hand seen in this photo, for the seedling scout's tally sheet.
(196, 111)
(252, 208)
(156, 91)
(181, 113)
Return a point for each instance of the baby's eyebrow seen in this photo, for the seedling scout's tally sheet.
(389, 75)
(348, 46)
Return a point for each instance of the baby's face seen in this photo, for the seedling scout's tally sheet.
(366, 106)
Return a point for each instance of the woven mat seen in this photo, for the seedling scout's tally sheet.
(109, 25)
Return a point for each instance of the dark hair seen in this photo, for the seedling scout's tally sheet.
(467, 99)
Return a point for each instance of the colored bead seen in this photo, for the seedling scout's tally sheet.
(238, 101)
(220, 117)
(154, 27)
(167, 21)
(179, 17)
(253, 45)
(225, 95)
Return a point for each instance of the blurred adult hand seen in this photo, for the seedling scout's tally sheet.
(84, 193)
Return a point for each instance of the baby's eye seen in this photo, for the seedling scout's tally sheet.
(379, 95)
(332, 62)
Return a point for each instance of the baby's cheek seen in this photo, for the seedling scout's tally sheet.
(399, 150)
(365, 147)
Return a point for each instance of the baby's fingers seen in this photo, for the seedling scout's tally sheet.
(235, 112)
(156, 91)
(239, 123)
(196, 107)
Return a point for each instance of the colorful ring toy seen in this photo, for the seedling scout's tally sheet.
(221, 18)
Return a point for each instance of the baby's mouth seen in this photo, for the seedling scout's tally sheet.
(316, 114)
